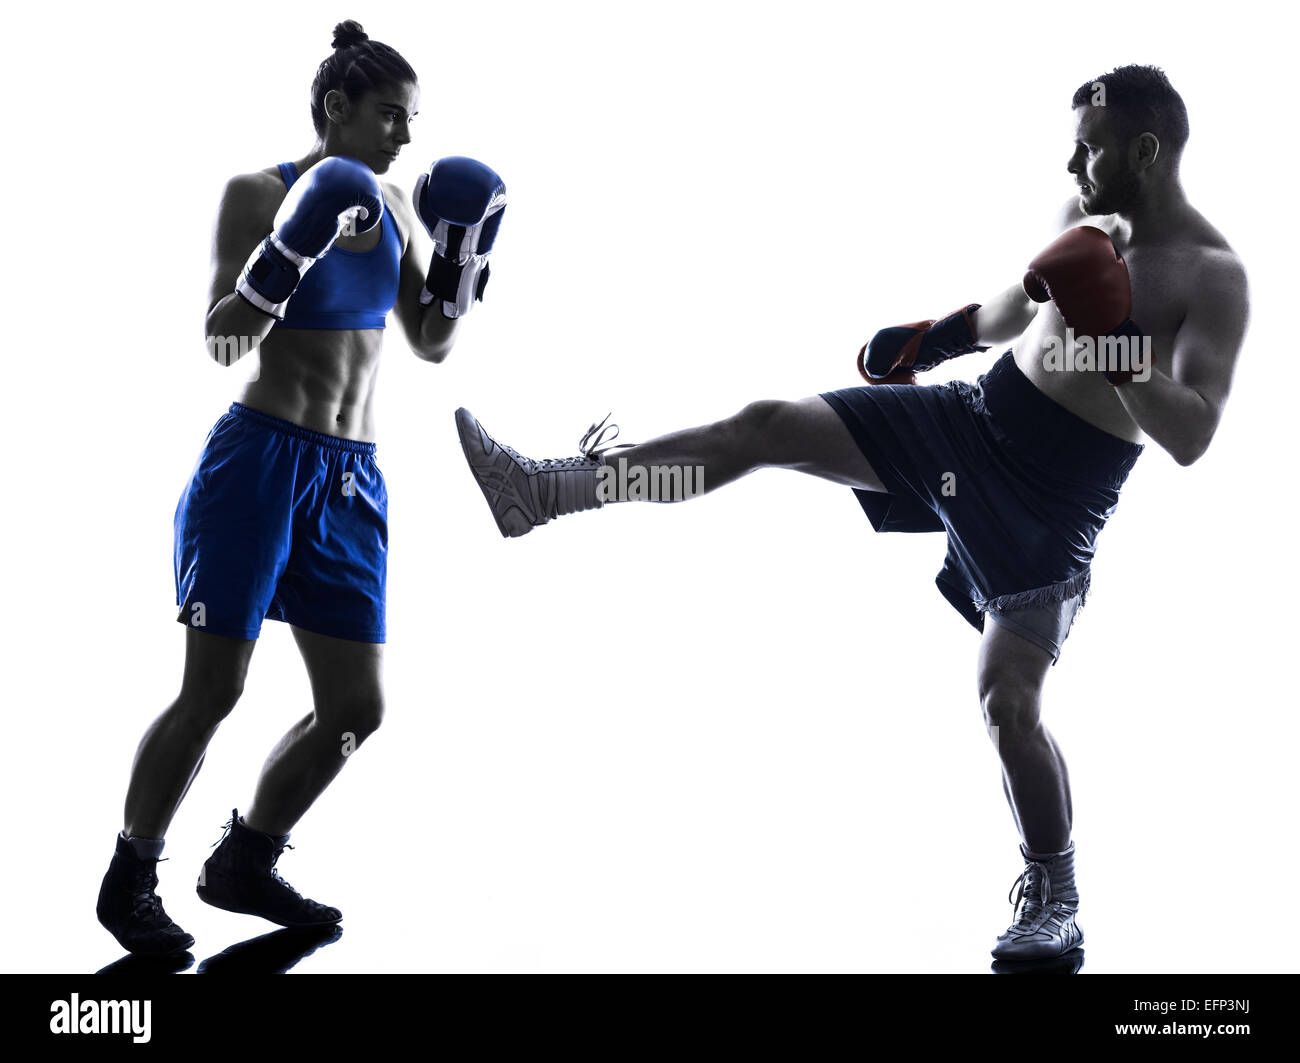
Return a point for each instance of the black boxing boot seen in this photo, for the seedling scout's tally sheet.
(241, 877)
(128, 907)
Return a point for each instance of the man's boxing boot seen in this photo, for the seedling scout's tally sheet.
(1045, 907)
(241, 877)
(524, 494)
(129, 908)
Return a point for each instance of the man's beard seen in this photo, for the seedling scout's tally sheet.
(1120, 194)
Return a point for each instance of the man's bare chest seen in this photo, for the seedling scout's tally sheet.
(1162, 280)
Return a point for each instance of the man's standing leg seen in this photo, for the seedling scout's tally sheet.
(1012, 671)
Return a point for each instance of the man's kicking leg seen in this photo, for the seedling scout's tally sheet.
(348, 707)
(806, 435)
(809, 436)
(1012, 671)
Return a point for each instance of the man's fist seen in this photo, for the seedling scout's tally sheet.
(894, 355)
(1083, 274)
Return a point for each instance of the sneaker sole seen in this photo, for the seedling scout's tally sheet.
(180, 946)
(171, 951)
(1013, 954)
(215, 903)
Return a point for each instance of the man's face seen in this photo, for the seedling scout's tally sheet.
(1100, 164)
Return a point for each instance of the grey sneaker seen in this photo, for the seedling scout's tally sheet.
(1044, 925)
(524, 493)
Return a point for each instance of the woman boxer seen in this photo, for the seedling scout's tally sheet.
(284, 516)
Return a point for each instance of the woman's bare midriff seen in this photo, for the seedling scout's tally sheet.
(318, 378)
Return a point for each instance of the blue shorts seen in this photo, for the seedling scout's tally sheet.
(282, 523)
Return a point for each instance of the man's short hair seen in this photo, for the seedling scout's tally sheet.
(1139, 99)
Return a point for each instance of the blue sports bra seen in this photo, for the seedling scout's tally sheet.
(347, 289)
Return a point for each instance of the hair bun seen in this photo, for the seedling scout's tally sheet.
(348, 33)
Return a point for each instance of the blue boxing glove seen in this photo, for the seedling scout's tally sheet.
(460, 202)
(339, 194)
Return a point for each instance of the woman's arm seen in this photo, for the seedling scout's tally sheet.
(233, 326)
(430, 335)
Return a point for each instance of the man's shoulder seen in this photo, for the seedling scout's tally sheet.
(1215, 249)
(1208, 257)
(1220, 269)
(1209, 272)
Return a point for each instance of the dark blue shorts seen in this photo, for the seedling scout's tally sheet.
(1021, 486)
(282, 523)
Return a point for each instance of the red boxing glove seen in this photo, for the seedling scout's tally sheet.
(895, 355)
(1083, 274)
(1136, 344)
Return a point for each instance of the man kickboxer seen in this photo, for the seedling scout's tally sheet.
(1126, 327)
(285, 515)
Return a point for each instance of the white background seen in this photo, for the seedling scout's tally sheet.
(735, 735)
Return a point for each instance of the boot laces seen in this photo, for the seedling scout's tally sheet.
(595, 447)
(226, 828)
(1033, 879)
(275, 871)
(590, 449)
(144, 901)
(275, 874)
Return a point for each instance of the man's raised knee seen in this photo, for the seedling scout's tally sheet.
(756, 423)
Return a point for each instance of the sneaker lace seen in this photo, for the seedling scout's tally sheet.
(275, 874)
(226, 828)
(590, 449)
(275, 871)
(1033, 878)
(600, 444)
(144, 901)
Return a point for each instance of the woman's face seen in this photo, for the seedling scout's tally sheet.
(374, 128)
